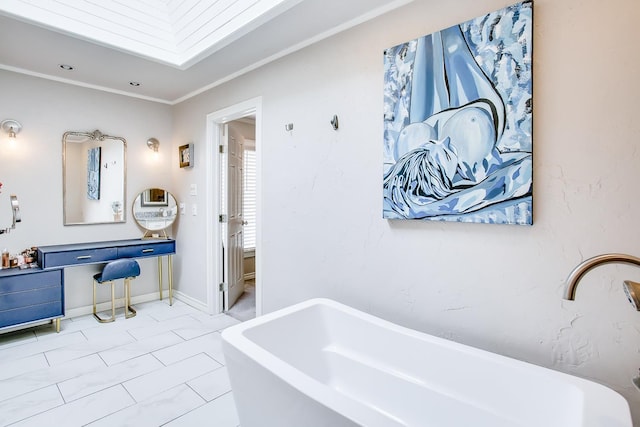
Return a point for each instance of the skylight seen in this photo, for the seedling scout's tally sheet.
(174, 32)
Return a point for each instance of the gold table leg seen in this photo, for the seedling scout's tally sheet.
(160, 276)
(170, 272)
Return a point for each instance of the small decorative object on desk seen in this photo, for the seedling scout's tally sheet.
(5, 259)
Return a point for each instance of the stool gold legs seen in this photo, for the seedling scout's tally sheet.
(113, 303)
(128, 310)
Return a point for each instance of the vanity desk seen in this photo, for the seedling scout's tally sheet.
(71, 255)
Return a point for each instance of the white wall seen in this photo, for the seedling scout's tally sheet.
(32, 168)
(491, 286)
(494, 287)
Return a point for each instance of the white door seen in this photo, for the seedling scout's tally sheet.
(232, 224)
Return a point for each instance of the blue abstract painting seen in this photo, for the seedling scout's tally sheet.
(93, 173)
(458, 122)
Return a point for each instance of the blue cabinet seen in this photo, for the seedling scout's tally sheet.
(30, 295)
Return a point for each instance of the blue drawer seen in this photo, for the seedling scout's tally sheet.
(30, 280)
(28, 298)
(31, 313)
(149, 249)
(83, 256)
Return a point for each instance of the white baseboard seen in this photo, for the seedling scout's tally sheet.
(250, 276)
(88, 309)
(197, 304)
(177, 295)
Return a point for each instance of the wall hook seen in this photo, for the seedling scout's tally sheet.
(288, 127)
(334, 122)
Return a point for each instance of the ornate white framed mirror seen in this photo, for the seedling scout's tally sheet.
(94, 178)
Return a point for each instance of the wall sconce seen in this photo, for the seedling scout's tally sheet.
(11, 127)
(153, 144)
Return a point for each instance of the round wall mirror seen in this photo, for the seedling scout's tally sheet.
(155, 210)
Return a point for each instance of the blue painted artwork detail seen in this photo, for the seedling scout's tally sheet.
(458, 122)
(93, 173)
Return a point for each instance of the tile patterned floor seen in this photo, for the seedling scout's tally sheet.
(163, 367)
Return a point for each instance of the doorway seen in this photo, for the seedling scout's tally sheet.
(239, 298)
(230, 129)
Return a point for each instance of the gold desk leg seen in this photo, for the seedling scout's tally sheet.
(56, 324)
(160, 276)
(170, 272)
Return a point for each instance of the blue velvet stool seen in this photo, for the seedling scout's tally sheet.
(124, 268)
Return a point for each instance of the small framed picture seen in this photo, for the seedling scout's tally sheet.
(185, 155)
(154, 197)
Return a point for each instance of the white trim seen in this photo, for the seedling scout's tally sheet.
(213, 269)
(308, 42)
(88, 309)
(250, 276)
(82, 84)
(139, 299)
(197, 304)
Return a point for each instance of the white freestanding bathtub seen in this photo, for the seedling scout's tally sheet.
(321, 363)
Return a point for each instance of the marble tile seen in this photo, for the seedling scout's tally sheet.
(70, 325)
(168, 357)
(222, 410)
(138, 348)
(93, 345)
(49, 331)
(157, 410)
(212, 385)
(82, 411)
(162, 312)
(157, 381)
(178, 323)
(210, 344)
(17, 367)
(29, 404)
(206, 326)
(39, 346)
(120, 326)
(103, 378)
(37, 379)
(23, 336)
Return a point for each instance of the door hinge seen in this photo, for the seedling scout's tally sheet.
(223, 287)
(223, 218)
(221, 148)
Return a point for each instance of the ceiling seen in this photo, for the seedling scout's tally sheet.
(152, 42)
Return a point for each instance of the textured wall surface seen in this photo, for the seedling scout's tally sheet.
(495, 287)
